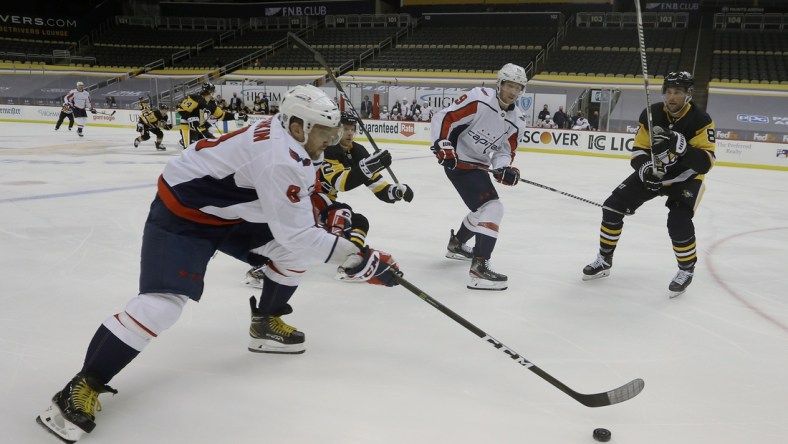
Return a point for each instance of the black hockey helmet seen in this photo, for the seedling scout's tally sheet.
(348, 119)
(143, 103)
(207, 88)
(681, 79)
(163, 106)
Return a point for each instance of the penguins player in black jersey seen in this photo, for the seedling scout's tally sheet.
(674, 167)
(151, 121)
(191, 108)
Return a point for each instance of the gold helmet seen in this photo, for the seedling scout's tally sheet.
(144, 103)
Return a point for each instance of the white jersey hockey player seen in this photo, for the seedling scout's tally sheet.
(247, 188)
(478, 132)
(79, 100)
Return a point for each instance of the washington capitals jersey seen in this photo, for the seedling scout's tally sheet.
(78, 99)
(480, 130)
(695, 125)
(257, 174)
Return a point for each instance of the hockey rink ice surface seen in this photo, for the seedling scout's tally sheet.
(382, 366)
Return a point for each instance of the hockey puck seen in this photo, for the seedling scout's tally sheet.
(602, 435)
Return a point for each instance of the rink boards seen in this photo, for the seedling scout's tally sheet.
(739, 153)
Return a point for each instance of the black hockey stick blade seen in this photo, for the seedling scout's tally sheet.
(615, 396)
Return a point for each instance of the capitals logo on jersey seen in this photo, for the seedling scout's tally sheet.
(297, 158)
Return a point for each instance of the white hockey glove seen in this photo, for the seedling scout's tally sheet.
(370, 266)
(241, 116)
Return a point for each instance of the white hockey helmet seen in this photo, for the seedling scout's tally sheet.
(511, 73)
(313, 106)
(80, 84)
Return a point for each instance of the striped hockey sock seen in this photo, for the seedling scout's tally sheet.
(686, 253)
(609, 233)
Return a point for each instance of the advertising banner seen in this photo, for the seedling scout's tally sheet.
(767, 154)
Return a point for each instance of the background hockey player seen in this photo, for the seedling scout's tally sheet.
(152, 121)
(79, 101)
(481, 129)
(252, 190)
(684, 148)
(65, 111)
(191, 112)
(346, 166)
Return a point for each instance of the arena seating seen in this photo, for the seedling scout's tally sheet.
(750, 56)
(609, 62)
(24, 50)
(614, 52)
(509, 36)
(441, 58)
(462, 49)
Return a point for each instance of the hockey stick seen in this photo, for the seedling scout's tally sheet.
(322, 61)
(104, 113)
(642, 47)
(615, 396)
(625, 213)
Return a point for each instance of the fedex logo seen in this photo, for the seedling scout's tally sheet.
(749, 118)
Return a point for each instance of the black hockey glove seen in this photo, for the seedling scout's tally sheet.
(668, 145)
(93, 110)
(194, 124)
(241, 116)
(651, 181)
(400, 191)
(167, 126)
(508, 175)
(374, 163)
(370, 266)
(444, 151)
(140, 128)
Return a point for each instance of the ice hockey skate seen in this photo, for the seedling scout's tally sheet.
(254, 277)
(483, 278)
(161, 147)
(79, 132)
(73, 409)
(270, 334)
(458, 250)
(599, 268)
(136, 142)
(680, 282)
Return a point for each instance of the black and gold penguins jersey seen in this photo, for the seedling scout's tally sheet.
(193, 105)
(154, 119)
(340, 172)
(695, 125)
